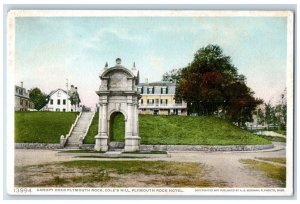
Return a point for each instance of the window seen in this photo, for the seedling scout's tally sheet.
(64, 110)
(26, 103)
(142, 101)
(140, 90)
(51, 101)
(164, 90)
(64, 101)
(164, 102)
(21, 102)
(71, 110)
(58, 94)
(150, 90)
(157, 102)
(57, 110)
(150, 101)
(58, 101)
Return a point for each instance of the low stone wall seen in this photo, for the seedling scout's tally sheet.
(157, 147)
(196, 147)
(37, 146)
(213, 148)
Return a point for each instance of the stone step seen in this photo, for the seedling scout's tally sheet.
(72, 143)
(77, 134)
(83, 122)
(115, 150)
(73, 139)
(79, 130)
(71, 147)
(81, 125)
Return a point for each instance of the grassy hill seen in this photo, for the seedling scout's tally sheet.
(180, 130)
(42, 127)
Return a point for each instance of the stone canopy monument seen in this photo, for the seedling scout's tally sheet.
(118, 93)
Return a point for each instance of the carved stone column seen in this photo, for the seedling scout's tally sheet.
(101, 143)
(132, 140)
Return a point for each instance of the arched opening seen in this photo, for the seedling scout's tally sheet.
(117, 127)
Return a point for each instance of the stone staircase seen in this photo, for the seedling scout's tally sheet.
(79, 130)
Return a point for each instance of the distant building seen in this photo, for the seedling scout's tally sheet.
(59, 101)
(158, 98)
(22, 101)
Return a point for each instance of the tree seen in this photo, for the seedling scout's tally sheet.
(283, 110)
(173, 75)
(38, 98)
(239, 103)
(211, 85)
(276, 114)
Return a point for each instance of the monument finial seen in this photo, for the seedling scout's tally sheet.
(133, 67)
(118, 61)
(106, 64)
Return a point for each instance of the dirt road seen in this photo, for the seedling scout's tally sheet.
(225, 166)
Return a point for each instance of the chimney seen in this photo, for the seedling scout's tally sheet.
(146, 80)
(21, 84)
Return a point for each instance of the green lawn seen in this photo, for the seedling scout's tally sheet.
(275, 172)
(118, 127)
(42, 127)
(279, 160)
(282, 132)
(93, 130)
(273, 139)
(180, 130)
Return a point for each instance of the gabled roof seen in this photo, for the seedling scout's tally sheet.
(54, 91)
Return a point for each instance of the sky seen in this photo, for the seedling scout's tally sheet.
(49, 50)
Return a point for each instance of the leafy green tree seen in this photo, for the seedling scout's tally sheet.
(240, 103)
(283, 110)
(211, 85)
(38, 98)
(173, 75)
(276, 114)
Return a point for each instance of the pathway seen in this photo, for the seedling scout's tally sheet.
(221, 166)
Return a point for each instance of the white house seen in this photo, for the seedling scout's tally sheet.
(59, 101)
